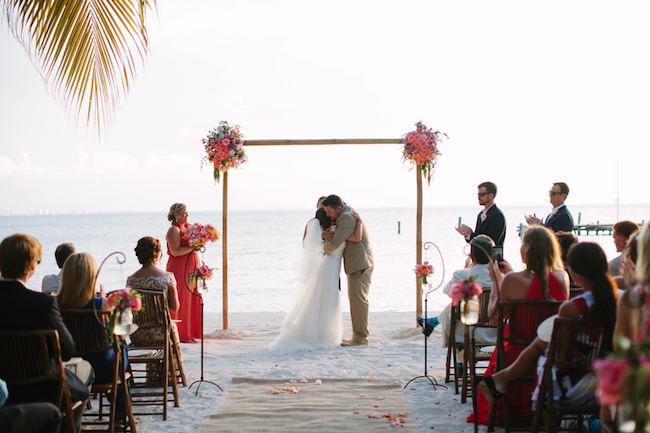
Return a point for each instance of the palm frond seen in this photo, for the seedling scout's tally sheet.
(88, 51)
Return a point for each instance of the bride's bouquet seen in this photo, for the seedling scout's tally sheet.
(225, 148)
(197, 234)
(421, 148)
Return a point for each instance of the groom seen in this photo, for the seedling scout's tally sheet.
(358, 263)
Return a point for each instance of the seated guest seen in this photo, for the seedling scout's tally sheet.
(24, 310)
(627, 277)
(150, 277)
(52, 282)
(589, 268)
(567, 240)
(634, 308)
(480, 253)
(28, 417)
(77, 291)
(622, 232)
(543, 278)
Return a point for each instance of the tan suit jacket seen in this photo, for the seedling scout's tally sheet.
(357, 255)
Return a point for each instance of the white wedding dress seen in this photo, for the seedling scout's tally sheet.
(314, 320)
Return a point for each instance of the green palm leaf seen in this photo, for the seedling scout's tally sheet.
(88, 51)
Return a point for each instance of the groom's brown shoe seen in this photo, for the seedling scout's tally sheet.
(355, 342)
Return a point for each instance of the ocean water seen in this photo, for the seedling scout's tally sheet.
(264, 249)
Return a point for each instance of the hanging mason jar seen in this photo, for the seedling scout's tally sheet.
(202, 286)
(124, 322)
(469, 310)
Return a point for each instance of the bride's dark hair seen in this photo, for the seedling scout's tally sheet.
(323, 218)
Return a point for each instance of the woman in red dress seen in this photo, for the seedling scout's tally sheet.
(189, 313)
(543, 278)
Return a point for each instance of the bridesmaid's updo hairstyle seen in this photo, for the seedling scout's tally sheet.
(321, 215)
(176, 208)
(148, 250)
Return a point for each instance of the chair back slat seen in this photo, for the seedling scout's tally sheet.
(576, 343)
(88, 329)
(26, 357)
(484, 314)
(524, 317)
(31, 357)
(153, 312)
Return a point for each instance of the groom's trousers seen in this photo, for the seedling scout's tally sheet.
(358, 288)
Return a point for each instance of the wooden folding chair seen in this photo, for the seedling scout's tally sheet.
(90, 333)
(150, 390)
(575, 345)
(523, 318)
(473, 351)
(33, 358)
(453, 346)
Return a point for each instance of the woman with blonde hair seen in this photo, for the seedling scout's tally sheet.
(78, 280)
(189, 313)
(77, 291)
(543, 279)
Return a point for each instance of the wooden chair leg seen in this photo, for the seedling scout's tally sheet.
(448, 367)
(180, 372)
(172, 375)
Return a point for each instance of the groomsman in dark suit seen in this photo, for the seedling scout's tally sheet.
(560, 219)
(490, 221)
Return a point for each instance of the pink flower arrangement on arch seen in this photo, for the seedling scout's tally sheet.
(421, 148)
(466, 289)
(224, 146)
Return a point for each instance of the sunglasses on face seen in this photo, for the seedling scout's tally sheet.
(483, 194)
(554, 193)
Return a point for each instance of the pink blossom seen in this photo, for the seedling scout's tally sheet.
(423, 269)
(610, 379)
(466, 288)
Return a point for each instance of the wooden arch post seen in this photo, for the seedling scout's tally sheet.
(323, 142)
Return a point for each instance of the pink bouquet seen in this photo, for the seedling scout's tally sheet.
(421, 148)
(125, 298)
(199, 234)
(120, 300)
(624, 378)
(611, 374)
(421, 271)
(204, 273)
(464, 290)
(225, 148)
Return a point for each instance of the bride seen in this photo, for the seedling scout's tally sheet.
(314, 320)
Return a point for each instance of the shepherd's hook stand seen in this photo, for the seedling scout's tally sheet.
(187, 284)
(425, 330)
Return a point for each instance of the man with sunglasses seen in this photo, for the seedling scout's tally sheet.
(560, 219)
(490, 221)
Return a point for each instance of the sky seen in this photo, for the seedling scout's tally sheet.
(530, 93)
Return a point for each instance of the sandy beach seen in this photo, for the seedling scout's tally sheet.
(395, 353)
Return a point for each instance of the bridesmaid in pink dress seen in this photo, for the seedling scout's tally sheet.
(189, 313)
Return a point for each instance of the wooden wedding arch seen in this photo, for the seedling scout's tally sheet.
(373, 141)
